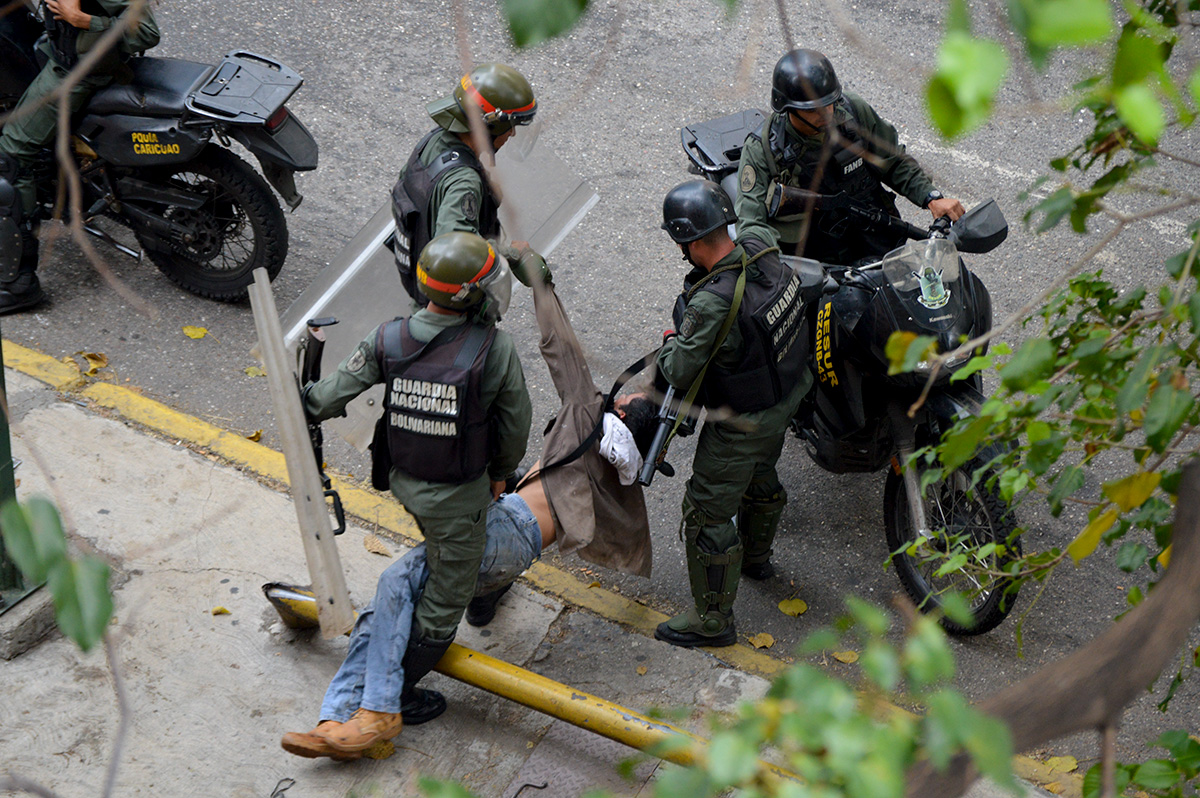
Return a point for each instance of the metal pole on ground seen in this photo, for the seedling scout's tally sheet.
(12, 586)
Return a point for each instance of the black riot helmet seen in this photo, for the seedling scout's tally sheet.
(804, 80)
(694, 209)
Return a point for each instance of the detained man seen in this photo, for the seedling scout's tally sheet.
(590, 504)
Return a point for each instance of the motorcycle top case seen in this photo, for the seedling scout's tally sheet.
(140, 140)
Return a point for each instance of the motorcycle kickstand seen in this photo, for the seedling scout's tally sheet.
(117, 245)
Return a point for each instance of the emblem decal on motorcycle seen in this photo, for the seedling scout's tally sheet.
(147, 144)
(748, 177)
(470, 207)
(357, 361)
(933, 294)
(691, 317)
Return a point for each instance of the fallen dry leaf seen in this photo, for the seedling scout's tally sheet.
(594, 584)
(373, 544)
(220, 611)
(255, 436)
(1062, 764)
(254, 371)
(95, 361)
(793, 607)
(1054, 787)
(762, 640)
(641, 670)
(194, 333)
(381, 750)
(848, 657)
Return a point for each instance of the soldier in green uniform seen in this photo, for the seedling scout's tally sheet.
(741, 347)
(456, 422)
(74, 28)
(443, 186)
(821, 139)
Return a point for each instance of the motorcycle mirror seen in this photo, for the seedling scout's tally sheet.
(981, 229)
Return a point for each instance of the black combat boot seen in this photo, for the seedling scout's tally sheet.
(482, 609)
(25, 291)
(714, 579)
(418, 705)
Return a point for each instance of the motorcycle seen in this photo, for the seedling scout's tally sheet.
(153, 155)
(857, 419)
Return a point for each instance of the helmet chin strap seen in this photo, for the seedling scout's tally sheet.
(686, 249)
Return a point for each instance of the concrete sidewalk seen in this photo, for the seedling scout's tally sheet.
(210, 695)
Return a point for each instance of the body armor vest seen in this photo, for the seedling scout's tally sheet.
(63, 36)
(774, 328)
(411, 199)
(437, 426)
(843, 167)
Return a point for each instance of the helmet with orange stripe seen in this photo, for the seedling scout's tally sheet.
(461, 271)
(501, 93)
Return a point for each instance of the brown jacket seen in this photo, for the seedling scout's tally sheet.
(595, 514)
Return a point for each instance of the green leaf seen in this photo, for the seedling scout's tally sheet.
(82, 604)
(1070, 22)
(1141, 111)
(905, 350)
(534, 21)
(881, 665)
(1087, 540)
(433, 788)
(1132, 491)
(1157, 774)
(1133, 392)
(969, 73)
(1034, 361)
(1131, 556)
(1019, 12)
(1169, 408)
(1193, 85)
(977, 363)
(731, 759)
(1194, 313)
(1012, 482)
(927, 657)
(33, 537)
(1137, 58)
(1055, 207)
(1069, 481)
(989, 742)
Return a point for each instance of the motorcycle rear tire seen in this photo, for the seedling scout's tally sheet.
(980, 513)
(239, 229)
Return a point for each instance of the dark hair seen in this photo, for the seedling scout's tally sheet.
(640, 415)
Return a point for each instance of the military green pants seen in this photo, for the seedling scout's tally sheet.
(453, 548)
(737, 458)
(23, 138)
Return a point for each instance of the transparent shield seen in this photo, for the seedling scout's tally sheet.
(543, 201)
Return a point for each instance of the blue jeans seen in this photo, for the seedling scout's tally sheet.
(371, 676)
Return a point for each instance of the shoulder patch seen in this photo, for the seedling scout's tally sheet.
(470, 207)
(357, 361)
(691, 318)
(748, 177)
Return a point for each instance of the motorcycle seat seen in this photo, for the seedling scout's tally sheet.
(160, 87)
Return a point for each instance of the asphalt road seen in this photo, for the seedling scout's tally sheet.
(614, 94)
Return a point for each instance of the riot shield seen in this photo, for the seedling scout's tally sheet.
(543, 200)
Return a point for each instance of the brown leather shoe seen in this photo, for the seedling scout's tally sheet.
(363, 730)
(311, 746)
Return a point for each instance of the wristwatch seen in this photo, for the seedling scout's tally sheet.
(931, 196)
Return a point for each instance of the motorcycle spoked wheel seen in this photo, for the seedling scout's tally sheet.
(962, 518)
(239, 228)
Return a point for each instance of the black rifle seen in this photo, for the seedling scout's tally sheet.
(656, 458)
(310, 371)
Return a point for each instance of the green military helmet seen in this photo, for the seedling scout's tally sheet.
(454, 268)
(503, 96)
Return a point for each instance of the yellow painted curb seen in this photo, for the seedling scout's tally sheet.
(374, 508)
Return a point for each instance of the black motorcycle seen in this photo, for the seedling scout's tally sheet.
(856, 419)
(152, 150)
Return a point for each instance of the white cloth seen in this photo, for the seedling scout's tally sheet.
(618, 447)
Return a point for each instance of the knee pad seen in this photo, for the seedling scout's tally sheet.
(12, 234)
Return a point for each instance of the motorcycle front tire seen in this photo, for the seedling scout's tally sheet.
(239, 228)
(974, 516)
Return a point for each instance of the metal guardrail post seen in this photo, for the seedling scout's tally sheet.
(12, 586)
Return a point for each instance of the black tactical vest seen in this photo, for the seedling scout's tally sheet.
(437, 425)
(843, 168)
(63, 35)
(411, 206)
(772, 321)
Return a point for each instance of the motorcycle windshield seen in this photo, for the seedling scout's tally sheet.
(924, 277)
